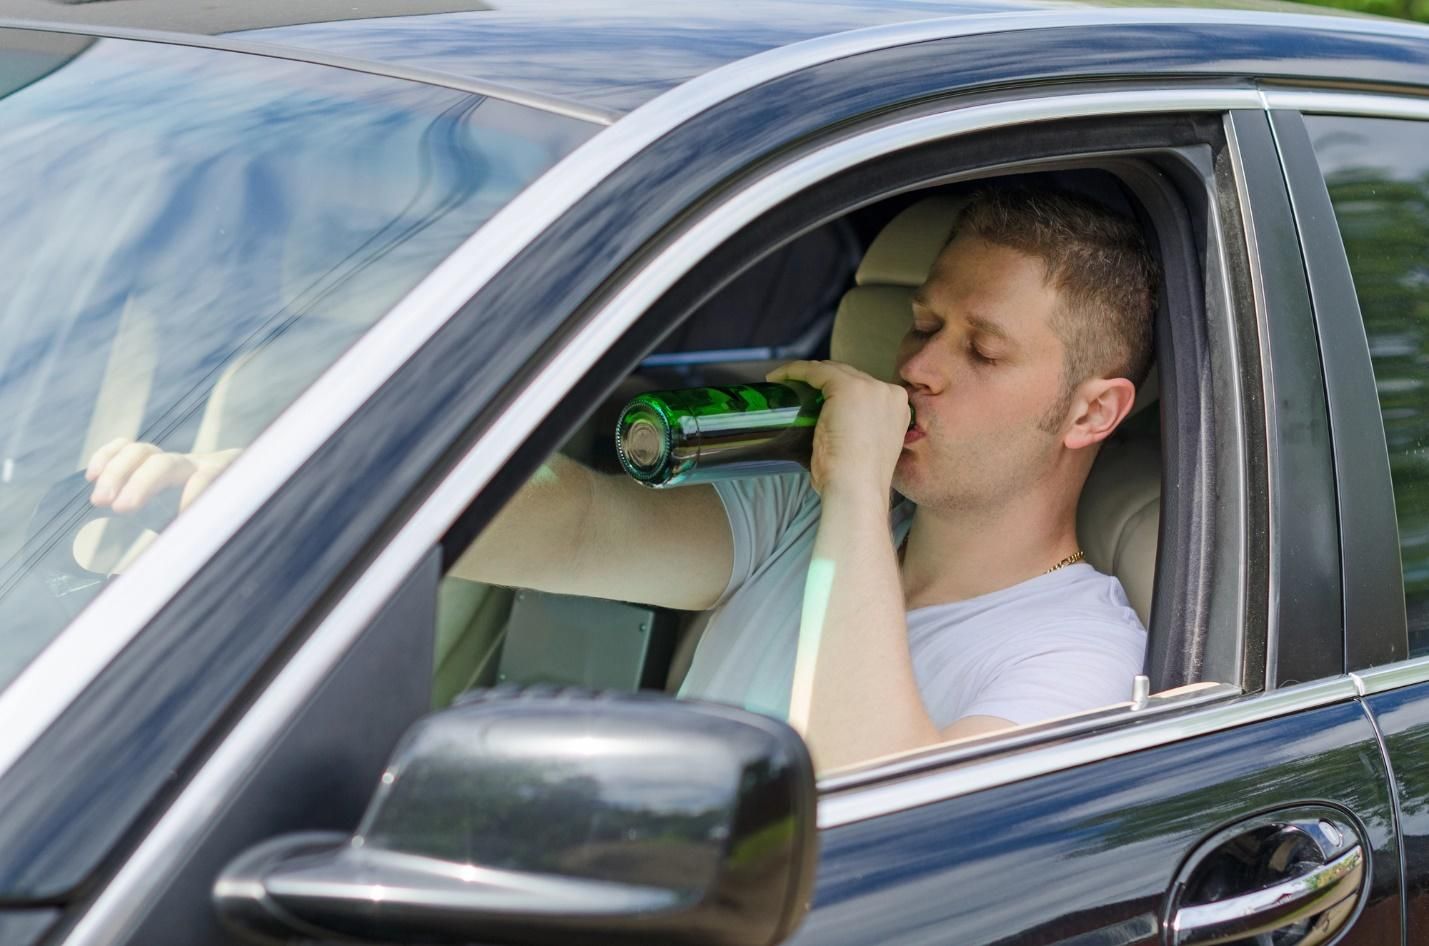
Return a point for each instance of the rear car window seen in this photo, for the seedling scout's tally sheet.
(1377, 171)
(191, 237)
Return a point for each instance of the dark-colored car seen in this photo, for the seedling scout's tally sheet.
(364, 266)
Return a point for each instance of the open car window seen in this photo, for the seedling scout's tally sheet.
(488, 634)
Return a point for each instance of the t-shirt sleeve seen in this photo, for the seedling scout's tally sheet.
(760, 510)
(1078, 668)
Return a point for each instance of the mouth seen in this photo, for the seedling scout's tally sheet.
(915, 430)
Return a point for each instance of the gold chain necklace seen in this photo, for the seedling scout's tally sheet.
(1072, 559)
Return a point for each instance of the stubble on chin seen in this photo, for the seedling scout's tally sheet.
(925, 491)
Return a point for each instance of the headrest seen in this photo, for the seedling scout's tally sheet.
(874, 315)
(905, 249)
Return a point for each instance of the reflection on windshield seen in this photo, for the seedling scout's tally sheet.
(1378, 175)
(190, 238)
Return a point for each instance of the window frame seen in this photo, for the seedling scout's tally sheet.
(671, 264)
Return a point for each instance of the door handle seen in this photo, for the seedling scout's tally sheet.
(1331, 889)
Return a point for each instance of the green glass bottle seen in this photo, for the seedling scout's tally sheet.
(696, 435)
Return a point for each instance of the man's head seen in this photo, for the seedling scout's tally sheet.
(1029, 337)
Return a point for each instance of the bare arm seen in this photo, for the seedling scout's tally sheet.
(855, 695)
(573, 531)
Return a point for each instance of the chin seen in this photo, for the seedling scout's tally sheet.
(907, 486)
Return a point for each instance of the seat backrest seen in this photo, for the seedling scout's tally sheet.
(1117, 517)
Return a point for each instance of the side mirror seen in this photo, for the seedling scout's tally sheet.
(547, 817)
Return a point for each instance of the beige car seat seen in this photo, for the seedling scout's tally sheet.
(1118, 517)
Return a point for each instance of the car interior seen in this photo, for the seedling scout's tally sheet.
(840, 291)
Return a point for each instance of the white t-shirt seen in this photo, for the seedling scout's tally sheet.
(1060, 643)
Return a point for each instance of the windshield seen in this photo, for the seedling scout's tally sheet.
(190, 237)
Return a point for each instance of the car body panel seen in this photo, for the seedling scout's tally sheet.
(609, 55)
(1403, 719)
(1090, 855)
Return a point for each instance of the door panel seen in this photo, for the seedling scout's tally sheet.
(1090, 855)
(1403, 718)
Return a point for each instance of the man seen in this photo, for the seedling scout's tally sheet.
(1023, 344)
(963, 611)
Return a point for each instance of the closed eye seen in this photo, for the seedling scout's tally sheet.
(980, 357)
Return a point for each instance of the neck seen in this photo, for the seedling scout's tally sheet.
(954, 555)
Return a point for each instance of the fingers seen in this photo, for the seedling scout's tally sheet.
(829, 375)
(196, 484)
(117, 468)
(102, 456)
(127, 474)
(156, 474)
(818, 374)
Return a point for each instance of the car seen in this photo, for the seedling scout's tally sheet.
(366, 267)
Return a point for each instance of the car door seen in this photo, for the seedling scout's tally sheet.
(1159, 831)
(1211, 814)
(1358, 174)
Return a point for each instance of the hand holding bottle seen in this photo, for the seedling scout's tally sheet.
(861, 427)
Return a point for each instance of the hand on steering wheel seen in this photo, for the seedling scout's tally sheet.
(127, 474)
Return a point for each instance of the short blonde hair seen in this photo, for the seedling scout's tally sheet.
(1095, 258)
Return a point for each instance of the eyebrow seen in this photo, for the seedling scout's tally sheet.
(976, 322)
(987, 327)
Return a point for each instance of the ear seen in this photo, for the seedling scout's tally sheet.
(1098, 406)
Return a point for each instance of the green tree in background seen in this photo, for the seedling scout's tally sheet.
(1404, 9)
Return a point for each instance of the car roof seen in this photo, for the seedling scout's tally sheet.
(607, 56)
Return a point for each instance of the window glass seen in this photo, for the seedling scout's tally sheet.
(1378, 175)
(191, 237)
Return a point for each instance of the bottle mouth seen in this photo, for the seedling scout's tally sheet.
(644, 444)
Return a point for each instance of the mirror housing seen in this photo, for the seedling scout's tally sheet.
(554, 817)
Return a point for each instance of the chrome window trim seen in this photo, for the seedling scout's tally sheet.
(919, 761)
(872, 801)
(167, 844)
(1360, 104)
(547, 103)
(1393, 676)
(71, 661)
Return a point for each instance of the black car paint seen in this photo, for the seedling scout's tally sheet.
(1089, 855)
(312, 539)
(1403, 719)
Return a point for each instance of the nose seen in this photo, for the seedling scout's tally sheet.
(919, 368)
